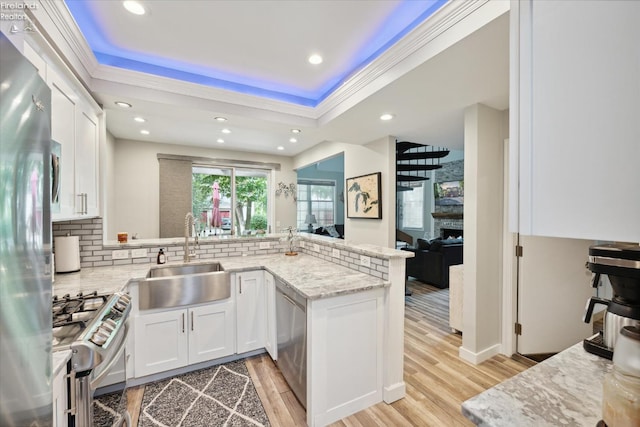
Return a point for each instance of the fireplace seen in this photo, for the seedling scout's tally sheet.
(455, 232)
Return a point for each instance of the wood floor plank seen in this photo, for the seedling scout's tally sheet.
(134, 402)
(264, 379)
(437, 380)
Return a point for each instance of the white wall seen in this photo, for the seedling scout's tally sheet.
(376, 156)
(136, 187)
(484, 133)
(107, 184)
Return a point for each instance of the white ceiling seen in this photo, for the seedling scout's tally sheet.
(268, 41)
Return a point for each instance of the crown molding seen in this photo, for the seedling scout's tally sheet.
(66, 39)
(425, 41)
(149, 81)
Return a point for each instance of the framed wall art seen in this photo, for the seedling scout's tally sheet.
(364, 196)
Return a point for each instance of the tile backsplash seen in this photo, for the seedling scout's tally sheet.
(93, 252)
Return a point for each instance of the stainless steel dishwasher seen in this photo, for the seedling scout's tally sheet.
(291, 329)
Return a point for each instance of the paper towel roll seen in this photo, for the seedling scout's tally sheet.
(67, 249)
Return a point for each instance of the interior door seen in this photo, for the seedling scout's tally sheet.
(553, 287)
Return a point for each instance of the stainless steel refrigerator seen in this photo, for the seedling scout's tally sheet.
(25, 242)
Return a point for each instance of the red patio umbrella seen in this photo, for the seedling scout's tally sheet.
(216, 220)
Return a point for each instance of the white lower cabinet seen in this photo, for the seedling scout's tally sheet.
(211, 334)
(59, 391)
(270, 338)
(176, 338)
(250, 310)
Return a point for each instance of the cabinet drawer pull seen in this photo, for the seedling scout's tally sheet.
(192, 320)
(183, 323)
(240, 281)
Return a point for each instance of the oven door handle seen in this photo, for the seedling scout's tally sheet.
(97, 380)
(72, 393)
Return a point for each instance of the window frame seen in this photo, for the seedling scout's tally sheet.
(308, 182)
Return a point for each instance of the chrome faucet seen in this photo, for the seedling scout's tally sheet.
(189, 224)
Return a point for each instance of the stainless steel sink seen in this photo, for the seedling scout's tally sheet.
(181, 270)
(179, 285)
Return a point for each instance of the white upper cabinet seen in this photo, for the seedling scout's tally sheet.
(63, 124)
(575, 119)
(87, 165)
(75, 125)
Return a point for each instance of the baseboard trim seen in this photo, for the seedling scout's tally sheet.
(481, 356)
(395, 392)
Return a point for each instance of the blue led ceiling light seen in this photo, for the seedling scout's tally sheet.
(404, 18)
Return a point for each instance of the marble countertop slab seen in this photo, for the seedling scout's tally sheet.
(60, 359)
(104, 280)
(311, 277)
(564, 390)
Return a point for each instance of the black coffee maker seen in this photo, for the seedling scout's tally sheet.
(621, 263)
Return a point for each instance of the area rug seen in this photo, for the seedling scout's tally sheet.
(108, 409)
(223, 395)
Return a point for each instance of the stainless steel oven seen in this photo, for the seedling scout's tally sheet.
(94, 327)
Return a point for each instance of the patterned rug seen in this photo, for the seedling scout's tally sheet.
(222, 395)
(108, 409)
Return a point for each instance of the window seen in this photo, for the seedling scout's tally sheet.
(413, 207)
(317, 198)
(229, 200)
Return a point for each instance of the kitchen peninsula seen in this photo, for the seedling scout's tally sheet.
(355, 311)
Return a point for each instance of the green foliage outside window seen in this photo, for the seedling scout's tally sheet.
(251, 198)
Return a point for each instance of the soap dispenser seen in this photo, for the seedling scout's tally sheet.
(162, 258)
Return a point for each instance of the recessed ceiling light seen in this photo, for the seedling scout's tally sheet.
(280, 147)
(144, 132)
(293, 140)
(220, 141)
(295, 131)
(221, 119)
(386, 117)
(315, 59)
(139, 119)
(226, 131)
(123, 104)
(134, 7)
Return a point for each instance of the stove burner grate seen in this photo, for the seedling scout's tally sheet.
(76, 310)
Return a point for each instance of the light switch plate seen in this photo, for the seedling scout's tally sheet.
(138, 253)
(335, 253)
(365, 261)
(316, 247)
(264, 245)
(122, 254)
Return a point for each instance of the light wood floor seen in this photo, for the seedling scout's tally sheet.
(437, 380)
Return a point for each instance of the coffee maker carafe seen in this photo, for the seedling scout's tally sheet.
(621, 263)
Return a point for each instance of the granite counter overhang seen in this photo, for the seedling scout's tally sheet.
(564, 390)
(309, 276)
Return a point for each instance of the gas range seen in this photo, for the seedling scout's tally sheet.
(91, 325)
(94, 327)
(72, 315)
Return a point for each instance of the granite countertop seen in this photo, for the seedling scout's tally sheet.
(564, 390)
(309, 276)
